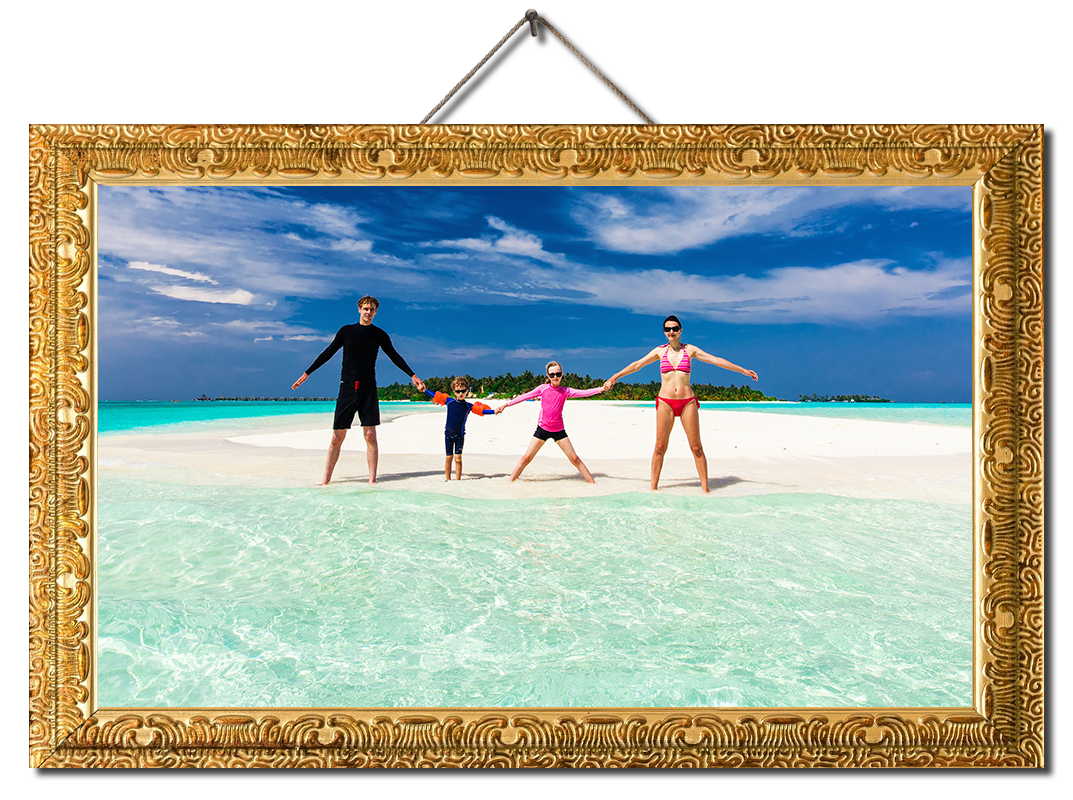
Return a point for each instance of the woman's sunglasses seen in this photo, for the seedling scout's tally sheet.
(672, 328)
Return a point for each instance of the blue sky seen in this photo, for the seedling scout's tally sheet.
(235, 290)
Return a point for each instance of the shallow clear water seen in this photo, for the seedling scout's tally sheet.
(210, 415)
(115, 417)
(223, 595)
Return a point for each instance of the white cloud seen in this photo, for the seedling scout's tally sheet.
(345, 245)
(238, 297)
(444, 357)
(852, 292)
(612, 206)
(352, 245)
(262, 239)
(253, 325)
(159, 326)
(516, 241)
(177, 273)
(333, 220)
(671, 220)
(268, 329)
(513, 241)
(566, 354)
(480, 245)
(250, 236)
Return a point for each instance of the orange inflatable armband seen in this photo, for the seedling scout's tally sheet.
(479, 407)
(440, 399)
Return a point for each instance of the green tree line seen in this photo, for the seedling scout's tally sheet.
(841, 398)
(503, 387)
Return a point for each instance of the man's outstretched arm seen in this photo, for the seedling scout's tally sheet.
(400, 362)
(322, 359)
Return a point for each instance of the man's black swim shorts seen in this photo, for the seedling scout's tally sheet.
(355, 398)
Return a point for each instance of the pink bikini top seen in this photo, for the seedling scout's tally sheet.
(665, 365)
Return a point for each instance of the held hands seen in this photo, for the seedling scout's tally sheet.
(300, 381)
(420, 384)
(610, 382)
(500, 409)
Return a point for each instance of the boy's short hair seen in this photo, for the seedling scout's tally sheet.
(370, 300)
(460, 383)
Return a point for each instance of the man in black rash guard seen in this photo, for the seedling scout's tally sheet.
(357, 383)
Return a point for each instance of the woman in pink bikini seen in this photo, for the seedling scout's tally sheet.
(676, 398)
(553, 397)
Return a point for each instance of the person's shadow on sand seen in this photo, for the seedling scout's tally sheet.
(402, 476)
(713, 483)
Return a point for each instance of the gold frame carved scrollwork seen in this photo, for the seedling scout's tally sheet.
(1003, 726)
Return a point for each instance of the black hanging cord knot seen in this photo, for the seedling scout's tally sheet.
(532, 16)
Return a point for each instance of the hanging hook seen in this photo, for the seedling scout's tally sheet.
(532, 15)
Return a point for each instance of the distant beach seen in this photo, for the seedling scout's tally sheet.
(758, 451)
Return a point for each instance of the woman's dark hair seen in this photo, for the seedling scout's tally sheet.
(673, 318)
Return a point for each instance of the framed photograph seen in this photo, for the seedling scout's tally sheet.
(73, 168)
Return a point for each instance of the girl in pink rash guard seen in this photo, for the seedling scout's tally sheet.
(552, 396)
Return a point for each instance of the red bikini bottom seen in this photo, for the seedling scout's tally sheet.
(677, 405)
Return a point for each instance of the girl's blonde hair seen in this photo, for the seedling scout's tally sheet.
(548, 366)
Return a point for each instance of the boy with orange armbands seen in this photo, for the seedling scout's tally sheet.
(454, 433)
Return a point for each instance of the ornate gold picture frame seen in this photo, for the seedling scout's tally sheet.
(1004, 726)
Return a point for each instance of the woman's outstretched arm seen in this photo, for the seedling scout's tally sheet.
(629, 369)
(716, 361)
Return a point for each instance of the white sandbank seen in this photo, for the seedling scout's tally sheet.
(748, 453)
(606, 430)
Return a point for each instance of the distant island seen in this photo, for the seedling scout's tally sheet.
(503, 387)
(842, 398)
(205, 398)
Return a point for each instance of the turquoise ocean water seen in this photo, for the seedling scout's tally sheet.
(957, 414)
(119, 417)
(228, 595)
(211, 415)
